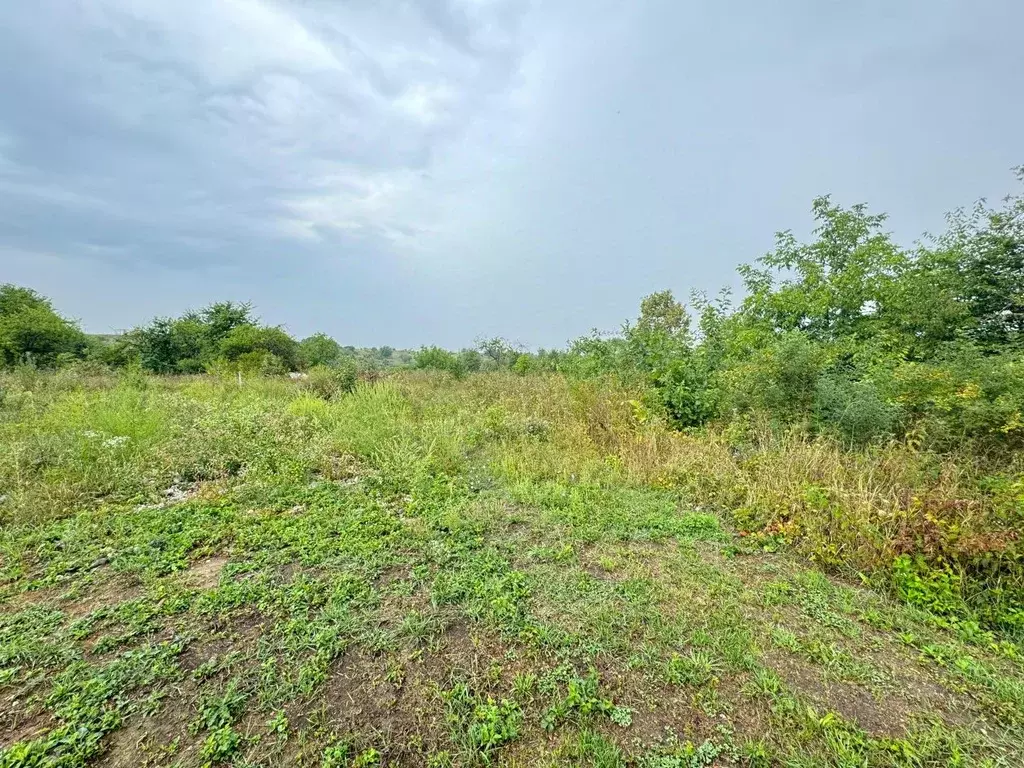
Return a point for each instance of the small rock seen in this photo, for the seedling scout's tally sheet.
(99, 562)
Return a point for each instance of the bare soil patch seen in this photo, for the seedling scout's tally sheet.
(878, 717)
(238, 635)
(146, 740)
(205, 574)
(393, 701)
(16, 724)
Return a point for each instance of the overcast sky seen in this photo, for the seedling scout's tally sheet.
(409, 173)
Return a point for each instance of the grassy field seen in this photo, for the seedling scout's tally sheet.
(501, 570)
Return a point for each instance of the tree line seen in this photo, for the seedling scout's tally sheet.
(225, 336)
(847, 334)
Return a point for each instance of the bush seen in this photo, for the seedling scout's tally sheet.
(330, 382)
(854, 410)
(31, 331)
(437, 359)
(223, 337)
(470, 360)
(250, 341)
(523, 364)
(935, 589)
(782, 379)
(595, 355)
(686, 393)
(963, 396)
(319, 349)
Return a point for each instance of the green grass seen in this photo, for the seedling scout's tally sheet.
(492, 571)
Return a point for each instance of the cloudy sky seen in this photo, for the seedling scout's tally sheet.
(425, 171)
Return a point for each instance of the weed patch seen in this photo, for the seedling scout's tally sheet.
(493, 570)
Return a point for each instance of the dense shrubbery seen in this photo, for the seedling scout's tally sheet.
(437, 359)
(495, 354)
(329, 382)
(848, 335)
(223, 338)
(32, 332)
(320, 349)
(910, 360)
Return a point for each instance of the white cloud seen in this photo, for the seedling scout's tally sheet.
(297, 119)
(367, 203)
(224, 41)
(463, 166)
(426, 103)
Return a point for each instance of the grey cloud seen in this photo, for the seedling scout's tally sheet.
(406, 172)
(216, 118)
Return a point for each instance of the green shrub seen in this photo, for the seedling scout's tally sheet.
(437, 359)
(523, 364)
(964, 395)
(686, 392)
(934, 588)
(782, 379)
(31, 331)
(470, 360)
(596, 355)
(854, 410)
(319, 349)
(329, 382)
(250, 342)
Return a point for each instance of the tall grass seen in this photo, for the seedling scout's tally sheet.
(859, 512)
(68, 443)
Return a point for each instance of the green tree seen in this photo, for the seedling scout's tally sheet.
(32, 331)
(167, 345)
(597, 354)
(986, 248)
(319, 350)
(470, 360)
(435, 358)
(498, 351)
(222, 317)
(248, 342)
(831, 288)
(660, 334)
(196, 341)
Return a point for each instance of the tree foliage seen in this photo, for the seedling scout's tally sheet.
(222, 335)
(498, 352)
(847, 333)
(31, 331)
(320, 350)
(438, 359)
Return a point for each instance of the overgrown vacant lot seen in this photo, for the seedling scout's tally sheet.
(499, 570)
